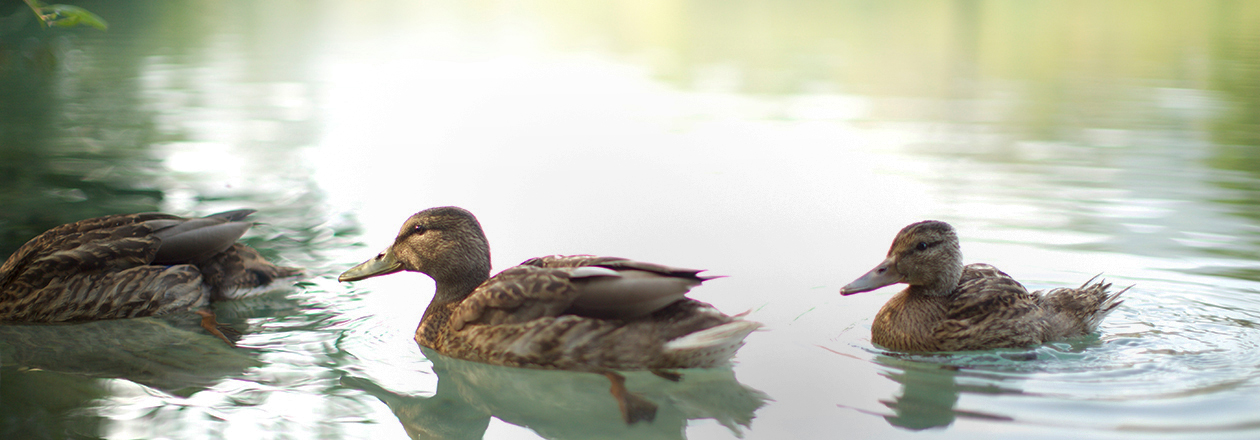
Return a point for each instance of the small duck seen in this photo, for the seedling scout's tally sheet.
(951, 307)
(582, 313)
(133, 265)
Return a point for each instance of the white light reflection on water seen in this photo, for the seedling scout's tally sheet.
(780, 205)
(646, 186)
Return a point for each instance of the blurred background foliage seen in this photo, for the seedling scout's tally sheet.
(76, 124)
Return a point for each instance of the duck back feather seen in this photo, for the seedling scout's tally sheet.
(131, 265)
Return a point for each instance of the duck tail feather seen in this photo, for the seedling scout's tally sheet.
(712, 346)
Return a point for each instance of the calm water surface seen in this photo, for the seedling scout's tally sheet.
(780, 143)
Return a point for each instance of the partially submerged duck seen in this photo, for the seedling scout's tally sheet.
(951, 307)
(582, 313)
(134, 265)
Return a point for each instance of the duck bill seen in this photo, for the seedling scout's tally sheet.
(383, 264)
(882, 275)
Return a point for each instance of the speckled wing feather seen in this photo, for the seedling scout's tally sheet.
(539, 287)
(95, 269)
(69, 240)
(518, 318)
(516, 295)
(101, 268)
(576, 342)
(571, 261)
(990, 309)
(1079, 311)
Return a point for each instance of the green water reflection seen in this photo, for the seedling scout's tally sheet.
(560, 404)
(81, 124)
(1118, 131)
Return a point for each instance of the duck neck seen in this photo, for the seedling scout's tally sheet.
(934, 290)
(448, 295)
(943, 284)
(456, 290)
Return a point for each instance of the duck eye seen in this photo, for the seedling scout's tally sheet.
(922, 246)
(418, 229)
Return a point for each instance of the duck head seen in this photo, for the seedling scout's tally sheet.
(445, 243)
(924, 255)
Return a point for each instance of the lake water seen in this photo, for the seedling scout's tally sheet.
(780, 143)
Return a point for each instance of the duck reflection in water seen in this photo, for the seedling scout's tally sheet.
(580, 313)
(929, 394)
(51, 378)
(165, 352)
(562, 404)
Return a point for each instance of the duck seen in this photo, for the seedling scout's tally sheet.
(577, 312)
(136, 265)
(947, 306)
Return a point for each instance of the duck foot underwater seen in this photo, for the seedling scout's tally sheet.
(210, 322)
(134, 265)
(634, 408)
(580, 313)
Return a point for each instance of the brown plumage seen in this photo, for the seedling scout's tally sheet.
(581, 313)
(132, 265)
(951, 307)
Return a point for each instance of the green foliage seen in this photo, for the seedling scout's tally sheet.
(65, 15)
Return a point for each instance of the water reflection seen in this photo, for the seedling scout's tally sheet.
(158, 352)
(1065, 138)
(929, 394)
(40, 404)
(68, 133)
(51, 374)
(563, 404)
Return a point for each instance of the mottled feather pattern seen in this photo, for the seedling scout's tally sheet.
(554, 312)
(68, 238)
(951, 307)
(239, 272)
(1085, 307)
(574, 342)
(516, 295)
(985, 290)
(70, 255)
(100, 269)
(992, 310)
(908, 322)
(521, 310)
(574, 261)
(139, 291)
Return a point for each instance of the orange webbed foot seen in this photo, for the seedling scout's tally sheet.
(634, 408)
(224, 332)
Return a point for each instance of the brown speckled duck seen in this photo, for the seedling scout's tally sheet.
(951, 307)
(583, 313)
(133, 265)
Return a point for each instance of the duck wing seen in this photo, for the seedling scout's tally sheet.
(587, 286)
(130, 265)
(94, 269)
(197, 239)
(113, 242)
(685, 334)
(989, 309)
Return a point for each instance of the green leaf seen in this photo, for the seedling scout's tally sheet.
(67, 16)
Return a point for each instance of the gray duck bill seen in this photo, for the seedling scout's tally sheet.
(882, 275)
(383, 264)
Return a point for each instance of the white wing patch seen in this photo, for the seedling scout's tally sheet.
(593, 271)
